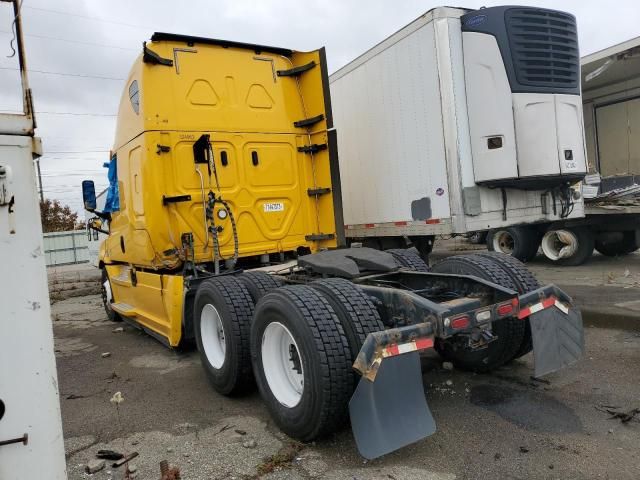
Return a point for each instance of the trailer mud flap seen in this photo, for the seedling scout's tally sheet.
(558, 338)
(392, 411)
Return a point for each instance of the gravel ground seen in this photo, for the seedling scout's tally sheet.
(502, 425)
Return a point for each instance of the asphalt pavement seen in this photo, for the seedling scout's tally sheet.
(501, 425)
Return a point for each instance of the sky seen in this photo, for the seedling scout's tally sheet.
(79, 53)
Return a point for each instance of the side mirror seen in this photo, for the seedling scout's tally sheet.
(89, 195)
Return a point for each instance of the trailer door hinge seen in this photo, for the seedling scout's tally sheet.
(318, 191)
(313, 148)
(163, 149)
(295, 71)
(149, 56)
(6, 196)
(317, 237)
(307, 122)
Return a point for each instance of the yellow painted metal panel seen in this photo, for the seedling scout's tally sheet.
(156, 299)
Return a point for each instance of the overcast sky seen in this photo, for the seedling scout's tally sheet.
(101, 38)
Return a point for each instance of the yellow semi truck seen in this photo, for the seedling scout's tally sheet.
(225, 159)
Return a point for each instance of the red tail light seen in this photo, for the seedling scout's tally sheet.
(461, 322)
(507, 308)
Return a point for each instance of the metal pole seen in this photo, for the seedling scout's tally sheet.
(73, 242)
(39, 180)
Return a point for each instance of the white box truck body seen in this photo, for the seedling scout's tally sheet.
(461, 121)
(31, 443)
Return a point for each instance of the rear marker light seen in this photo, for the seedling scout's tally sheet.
(505, 309)
(460, 323)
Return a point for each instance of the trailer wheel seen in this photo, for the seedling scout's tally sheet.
(107, 297)
(409, 258)
(519, 242)
(524, 282)
(509, 331)
(259, 283)
(477, 238)
(613, 246)
(222, 321)
(570, 246)
(301, 361)
(356, 313)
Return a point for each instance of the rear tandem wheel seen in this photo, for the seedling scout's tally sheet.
(301, 361)
(524, 281)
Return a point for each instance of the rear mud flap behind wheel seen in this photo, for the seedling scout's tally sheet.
(558, 339)
(391, 412)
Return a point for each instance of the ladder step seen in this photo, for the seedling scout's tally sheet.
(316, 237)
(313, 148)
(308, 121)
(123, 308)
(292, 72)
(318, 191)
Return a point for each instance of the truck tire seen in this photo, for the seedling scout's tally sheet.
(519, 242)
(356, 313)
(301, 361)
(580, 239)
(107, 297)
(509, 331)
(222, 312)
(615, 247)
(409, 258)
(524, 282)
(259, 283)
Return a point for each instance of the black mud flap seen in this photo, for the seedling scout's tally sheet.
(558, 339)
(392, 411)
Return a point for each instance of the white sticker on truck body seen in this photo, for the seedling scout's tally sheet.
(274, 207)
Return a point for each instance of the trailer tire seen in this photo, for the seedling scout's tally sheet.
(223, 305)
(259, 283)
(356, 313)
(519, 242)
(107, 297)
(510, 331)
(623, 246)
(525, 282)
(409, 258)
(583, 238)
(298, 321)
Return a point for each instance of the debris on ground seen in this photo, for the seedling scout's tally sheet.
(615, 412)
(524, 450)
(109, 455)
(250, 444)
(282, 459)
(106, 354)
(167, 472)
(447, 365)
(118, 330)
(124, 460)
(94, 466)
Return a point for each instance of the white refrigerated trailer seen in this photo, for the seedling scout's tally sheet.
(463, 120)
(31, 444)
